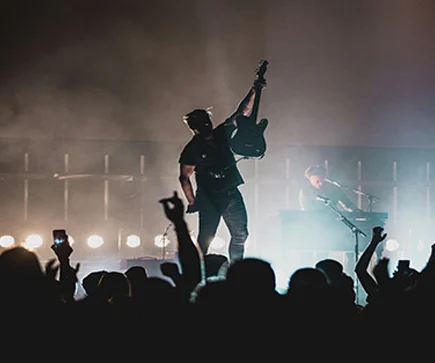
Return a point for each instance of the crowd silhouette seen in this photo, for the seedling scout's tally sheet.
(209, 308)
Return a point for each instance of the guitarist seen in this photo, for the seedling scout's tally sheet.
(209, 156)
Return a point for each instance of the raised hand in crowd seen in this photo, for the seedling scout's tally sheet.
(68, 274)
(173, 208)
(368, 283)
(189, 255)
(382, 276)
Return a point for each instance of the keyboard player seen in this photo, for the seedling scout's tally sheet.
(312, 196)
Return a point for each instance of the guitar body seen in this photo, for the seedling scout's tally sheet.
(248, 138)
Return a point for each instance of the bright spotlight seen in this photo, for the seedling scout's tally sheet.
(161, 241)
(133, 241)
(33, 241)
(95, 241)
(217, 243)
(6, 241)
(392, 245)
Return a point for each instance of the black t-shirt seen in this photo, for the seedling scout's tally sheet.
(215, 168)
(308, 195)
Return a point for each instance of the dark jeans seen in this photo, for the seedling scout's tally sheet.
(230, 206)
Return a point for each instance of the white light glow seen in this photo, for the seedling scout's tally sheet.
(161, 241)
(193, 236)
(392, 245)
(421, 246)
(95, 241)
(217, 243)
(7, 241)
(33, 241)
(133, 241)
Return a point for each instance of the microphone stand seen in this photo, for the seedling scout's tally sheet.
(163, 241)
(355, 232)
(370, 198)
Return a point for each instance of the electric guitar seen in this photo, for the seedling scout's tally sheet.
(248, 139)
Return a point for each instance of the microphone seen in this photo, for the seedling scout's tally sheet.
(334, 182)
(323, 199)
(165, 233)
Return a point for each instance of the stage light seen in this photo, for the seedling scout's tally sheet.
(7, 241)
(133, 241)
(161, 241)
(217, 243)
(33, 241)
(71, 240)
(95, 241)
(392, 245)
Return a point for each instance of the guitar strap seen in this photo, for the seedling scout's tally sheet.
(221, 174)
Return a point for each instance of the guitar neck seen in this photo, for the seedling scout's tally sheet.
(256, 105)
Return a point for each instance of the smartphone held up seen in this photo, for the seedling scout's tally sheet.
(59, 237)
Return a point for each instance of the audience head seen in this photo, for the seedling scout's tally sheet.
(406, 279)
(90, 282)
(113, 284)
(306, 280)
(332, 269)
(251, 275)
(136, 273)
(21, 274)
(138, 278)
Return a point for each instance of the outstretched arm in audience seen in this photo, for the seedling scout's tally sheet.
(189, 255)
(368, 283)
(68, 274)
(380, 271)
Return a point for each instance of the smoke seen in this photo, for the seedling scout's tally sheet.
(80, 91)
(83, 88)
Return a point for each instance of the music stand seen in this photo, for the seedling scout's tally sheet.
(355, 232)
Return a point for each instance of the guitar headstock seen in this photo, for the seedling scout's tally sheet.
(261, 69)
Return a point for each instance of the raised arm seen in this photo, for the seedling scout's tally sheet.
(244, 107)
(246, 104)
(68, 274)
(368, 283)
(189, 255)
